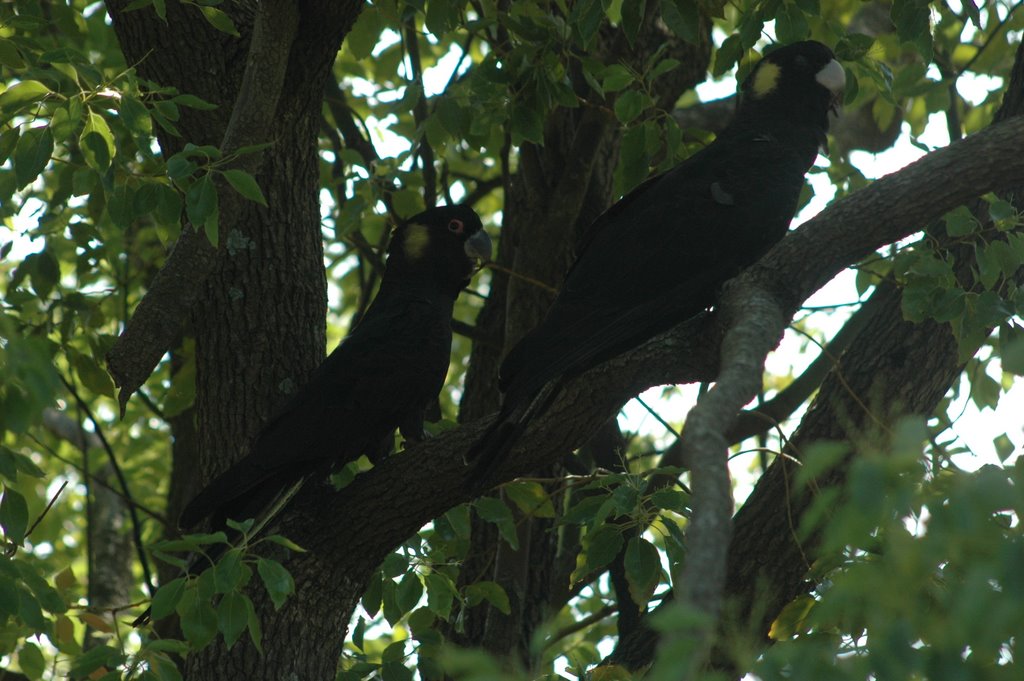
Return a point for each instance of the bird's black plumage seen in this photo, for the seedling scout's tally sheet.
(661, 254)
(381, 377)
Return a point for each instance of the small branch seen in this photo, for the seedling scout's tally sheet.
(757, 323)
(420, 114)
(516, 275)
(123, 481)
(46, 510)
(782, 405)
(588, 621)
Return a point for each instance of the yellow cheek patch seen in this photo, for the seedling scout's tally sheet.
(416, 239)
(766, 78)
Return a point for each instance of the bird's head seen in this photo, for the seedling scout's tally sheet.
(441, 245)
(799, 84)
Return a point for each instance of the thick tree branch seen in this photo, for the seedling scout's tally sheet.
(781, 406)
(156, 324)
(757, 329)
(431, 477)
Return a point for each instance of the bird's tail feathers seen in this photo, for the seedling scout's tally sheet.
(488, 453)
(201, 561)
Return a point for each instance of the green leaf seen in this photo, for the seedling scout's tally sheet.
(632, 19)
(600, 548)
(198, 618)
(409, 591)
(285, 542)
(495, 511)
(490, 592)
(683, 18)
(790, 621)
(643, 569)
(48, 597)
(359, 633)
(14, 515)
(245, 184)
(791, 24)
(912, 21)
(8, 141)
(220, 21)
(31, 155)
(193, 102)
(179, 166)
(100, 656)
(586, 17)
(728, 55)
(201, 201)
(276, 579)
(372, 597)
(255, 628)
(8, 595)
(163, 667)
(630, 104)
(1013, 357)
(395, 565)
(227, 573)
(232, 617)
(31, 661)
(92, 376)
(853, 46)
(672, 500)
(616, 77)
(166, 599)
(527, 123)
(395, 671)
(1004, 447)
(29, 610)
(97, 156)
(441, 594)
(365, 33)
(960, 222)
(10, 56)
(26, 465)
(45, 272)
(20, 95)
(392, 613)
(531, 499)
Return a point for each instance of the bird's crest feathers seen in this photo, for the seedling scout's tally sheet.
(766, 79)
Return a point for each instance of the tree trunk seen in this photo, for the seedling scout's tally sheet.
(259, 322)
(559, 190)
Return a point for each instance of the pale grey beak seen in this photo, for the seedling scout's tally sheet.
(479, 246)
(832, 76)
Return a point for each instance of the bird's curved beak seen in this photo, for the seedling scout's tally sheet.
(833, 77)
(479, 246)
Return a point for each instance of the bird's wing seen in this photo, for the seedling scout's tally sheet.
(389, 367)
(686, 232)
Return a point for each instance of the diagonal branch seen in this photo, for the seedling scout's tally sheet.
(430, 477)
(157, 321)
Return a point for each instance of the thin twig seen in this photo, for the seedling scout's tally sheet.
(90, 478)
(512, 273)
(123, 481)
(46, 510)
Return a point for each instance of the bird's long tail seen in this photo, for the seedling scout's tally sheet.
(201, 561)
(492, 449)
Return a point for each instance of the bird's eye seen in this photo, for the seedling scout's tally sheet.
(455, 226)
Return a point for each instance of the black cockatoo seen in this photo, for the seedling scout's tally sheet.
(382, 376)
(661, 254)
